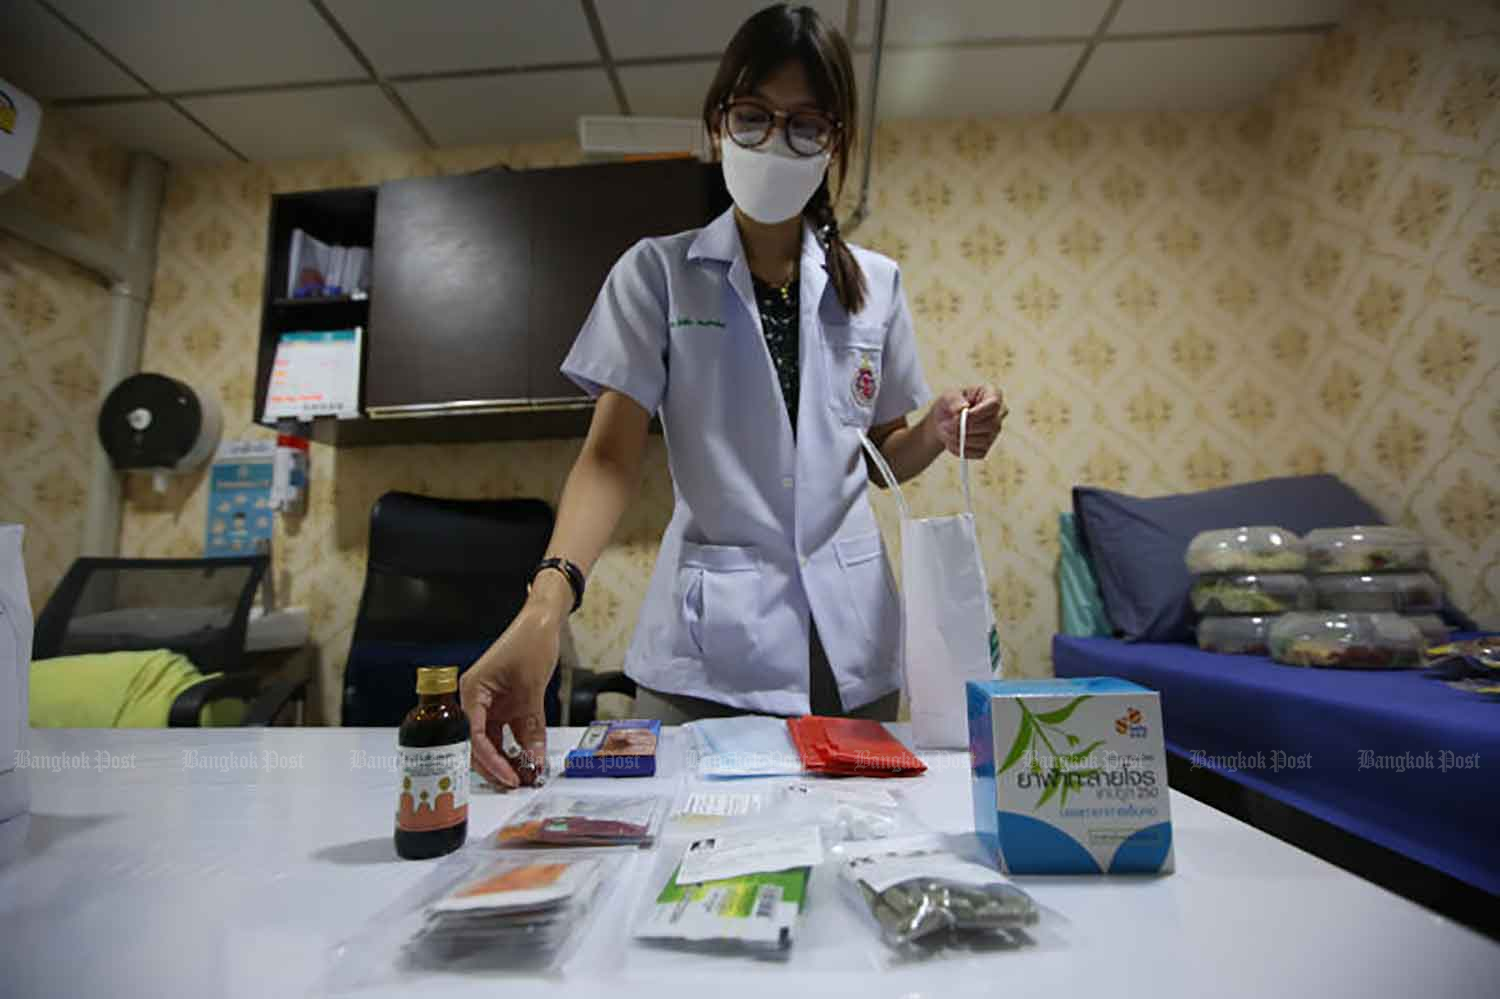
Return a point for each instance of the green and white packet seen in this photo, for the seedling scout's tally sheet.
(752, 910)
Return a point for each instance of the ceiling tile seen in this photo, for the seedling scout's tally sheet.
(1187, 74)
(958, 83)
(150, 126)
(640, 28)
(178, 45)
(307, 124)
(675, 89)
(925, 22)
(403, 37)
(514, 107)
(47, 59)
(1200, 15)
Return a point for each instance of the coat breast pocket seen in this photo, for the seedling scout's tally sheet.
(854, 354)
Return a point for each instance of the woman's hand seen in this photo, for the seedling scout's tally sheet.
(987, 414)
(506, 686)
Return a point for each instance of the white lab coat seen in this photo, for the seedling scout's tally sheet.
(765, 530)
(15, 678)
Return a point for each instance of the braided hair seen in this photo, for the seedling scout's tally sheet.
(843, 270)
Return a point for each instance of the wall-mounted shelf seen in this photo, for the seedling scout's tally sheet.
(467, 428)
(319, 303)
(479, 285)
(341, 217)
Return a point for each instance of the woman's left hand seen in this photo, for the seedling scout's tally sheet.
(987, 414)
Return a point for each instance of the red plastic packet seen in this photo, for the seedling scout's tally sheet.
(851, 747)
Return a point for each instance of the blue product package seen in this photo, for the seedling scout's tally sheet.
(625, 748)
(745, 746)
(1070, 776)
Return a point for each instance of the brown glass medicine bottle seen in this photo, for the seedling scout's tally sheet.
(432, 812)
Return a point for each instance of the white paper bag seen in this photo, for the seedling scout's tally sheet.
(15, 674)
(948, 626)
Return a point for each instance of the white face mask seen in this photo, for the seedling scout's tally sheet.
(770, 183)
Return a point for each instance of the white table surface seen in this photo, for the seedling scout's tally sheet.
(144, 875)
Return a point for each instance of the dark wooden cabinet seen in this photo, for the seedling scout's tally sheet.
(582, 220)
(449, 295)
(481, 283)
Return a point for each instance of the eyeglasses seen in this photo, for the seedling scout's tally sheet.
(750, 123)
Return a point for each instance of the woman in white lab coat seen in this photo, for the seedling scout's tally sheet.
(767, 345)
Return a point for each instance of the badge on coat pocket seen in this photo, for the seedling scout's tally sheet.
(866, 384)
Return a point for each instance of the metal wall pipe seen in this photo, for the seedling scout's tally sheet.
(128, 269)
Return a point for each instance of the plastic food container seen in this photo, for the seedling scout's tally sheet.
(1340, 639)
(1401, 592)
(1252, 593)
(1434, 629)
(1246, 549)
(1364, 549)
(1236, 636)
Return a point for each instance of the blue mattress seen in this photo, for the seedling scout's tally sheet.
(1396, 757)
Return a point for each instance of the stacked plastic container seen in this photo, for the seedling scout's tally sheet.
(1244, 579)
(1377, 603)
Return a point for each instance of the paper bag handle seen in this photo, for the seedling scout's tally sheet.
(889, 476)
(963, 457)
(884, 468)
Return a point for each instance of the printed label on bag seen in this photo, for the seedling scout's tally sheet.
(721, 805)
(434, 787)
(752, 909)
(881, 873)
(733, 856)
(847, 794)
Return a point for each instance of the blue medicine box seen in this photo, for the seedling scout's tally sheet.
(625, 748)
(1070, 776)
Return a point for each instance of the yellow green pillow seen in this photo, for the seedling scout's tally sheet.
(119, 690)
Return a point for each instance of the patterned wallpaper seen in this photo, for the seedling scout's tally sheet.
(52, 325)
(1384, 208)
(1103, 270)
(1171, 302)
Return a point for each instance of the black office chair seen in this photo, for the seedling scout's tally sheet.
(445, 578)
(199, 608)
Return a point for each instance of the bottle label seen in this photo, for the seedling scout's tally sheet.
(434, 787)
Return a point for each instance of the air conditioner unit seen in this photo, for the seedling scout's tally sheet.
(631, 135)
(20, 121)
